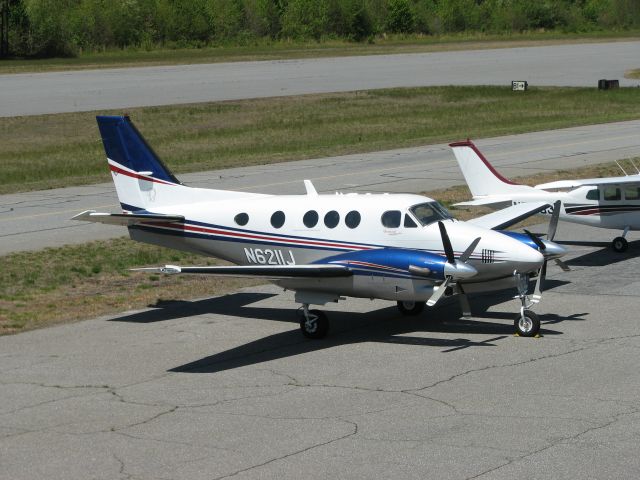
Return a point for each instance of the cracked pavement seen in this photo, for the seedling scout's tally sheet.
(228, 388)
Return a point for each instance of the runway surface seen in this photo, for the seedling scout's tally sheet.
(73, 91)
(35, 220)
(227, 387)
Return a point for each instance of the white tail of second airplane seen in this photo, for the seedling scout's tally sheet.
(483, 180)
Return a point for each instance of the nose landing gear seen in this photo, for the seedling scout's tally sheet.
(527, 323)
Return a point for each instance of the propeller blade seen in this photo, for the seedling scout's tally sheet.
(537, 292)
(562, 265)
(437, 294)
(464, 302)
(553, 223)
(467, 253)
(446, 243)
(540, 244)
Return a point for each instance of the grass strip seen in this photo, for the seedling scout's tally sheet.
(51, 151)
(287, 49)
(66, 284)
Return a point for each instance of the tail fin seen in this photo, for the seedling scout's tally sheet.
(482, 178)
(138, 173)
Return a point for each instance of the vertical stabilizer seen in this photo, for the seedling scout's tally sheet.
(140, 177)
(483, 180)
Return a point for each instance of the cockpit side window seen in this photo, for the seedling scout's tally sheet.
(593, 194)
(408, 222)
(612, 194)
(430, 212)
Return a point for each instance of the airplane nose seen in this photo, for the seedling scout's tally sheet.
(526, 259)
(553, 250)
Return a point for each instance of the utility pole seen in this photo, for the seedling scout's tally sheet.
(4, 28)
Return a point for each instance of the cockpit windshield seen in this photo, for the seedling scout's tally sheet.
(430, 212)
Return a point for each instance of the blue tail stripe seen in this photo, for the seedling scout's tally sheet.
(125, 145)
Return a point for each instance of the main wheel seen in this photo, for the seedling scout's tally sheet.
(316, 325)
(527, 325)
(620, 244)
(411, 308)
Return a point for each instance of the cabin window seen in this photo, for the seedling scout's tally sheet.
(277, 219)
(593, 194)
(430, 212)
(241, 219)
(352, 219)
(632, 192)
(310, 219)
(408, 222)
(612, 193)
(331, 219)
(391, 219)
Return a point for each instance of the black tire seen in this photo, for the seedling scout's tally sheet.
(620, 244)
(316, 327)
(411, 308)
(529, 326)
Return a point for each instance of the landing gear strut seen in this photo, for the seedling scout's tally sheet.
(527, 323)
(620, 244)
(313, 323)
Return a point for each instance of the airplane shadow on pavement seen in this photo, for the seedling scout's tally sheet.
(385, 325)
(603, 256)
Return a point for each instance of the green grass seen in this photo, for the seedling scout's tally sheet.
(58, 150)
(286, 49)
(59, 285)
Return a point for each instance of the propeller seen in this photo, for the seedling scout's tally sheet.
(453, 269)
(551, 233)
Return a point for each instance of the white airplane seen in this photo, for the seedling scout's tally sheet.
(404, 248)
(612, 202)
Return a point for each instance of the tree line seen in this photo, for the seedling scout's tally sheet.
(46, 28)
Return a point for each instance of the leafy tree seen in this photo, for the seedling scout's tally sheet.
(305, 19)
(400, 17)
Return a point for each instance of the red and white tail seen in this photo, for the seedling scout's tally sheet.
(483, 180)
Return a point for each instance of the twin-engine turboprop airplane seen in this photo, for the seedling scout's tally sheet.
(612, 202)
(404, 248)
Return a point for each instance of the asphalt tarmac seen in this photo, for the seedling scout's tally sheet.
(34, 220)
(226, 387)
(74, 91)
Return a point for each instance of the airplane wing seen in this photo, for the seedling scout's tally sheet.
(273, 272)
(492, 200)
(126, 219)
(509, 216)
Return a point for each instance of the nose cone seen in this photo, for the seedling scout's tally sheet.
(524, 258)
(553, 250)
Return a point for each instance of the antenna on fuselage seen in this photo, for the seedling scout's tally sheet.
(311, 190)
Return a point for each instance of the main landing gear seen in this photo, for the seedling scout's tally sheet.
(410, 308)
(620, 244)
(313, 323)
(527, 323)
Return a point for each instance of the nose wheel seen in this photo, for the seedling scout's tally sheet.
(527, 323)
(313, 323)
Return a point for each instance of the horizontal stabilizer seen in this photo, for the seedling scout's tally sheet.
(126, 219)
(509, 216)
(262, 271)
